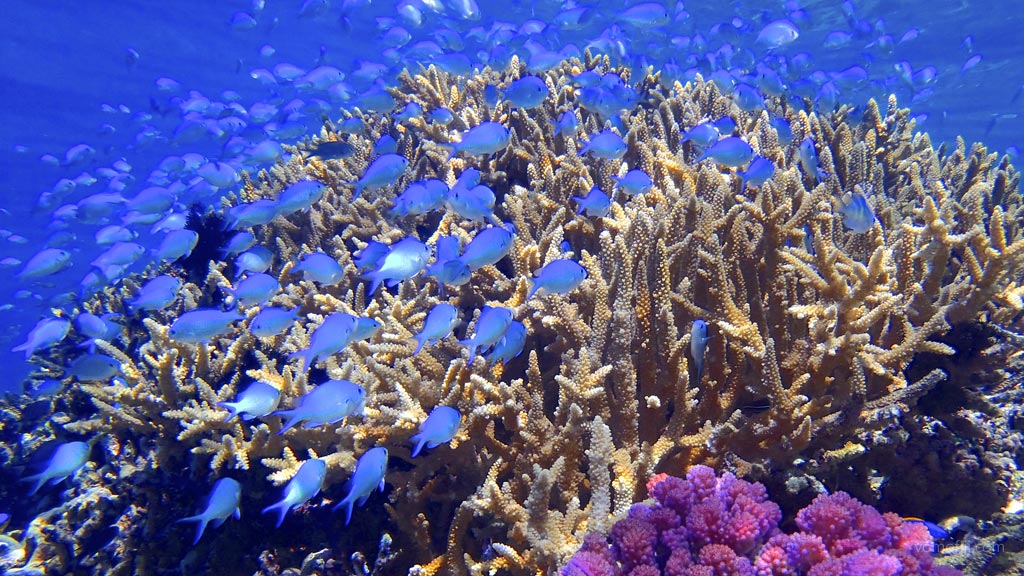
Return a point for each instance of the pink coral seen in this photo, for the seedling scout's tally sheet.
(707, 525)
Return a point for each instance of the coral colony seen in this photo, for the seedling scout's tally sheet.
(705, 526)
(582, 288)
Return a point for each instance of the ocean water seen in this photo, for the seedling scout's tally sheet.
(89, 72)
(63, 62)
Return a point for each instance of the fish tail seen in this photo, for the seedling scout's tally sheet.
(283, 507)
(39, 479)
(291, 419)
(200, 527)
(419, 345)
(232, 411)
(472, 349)
(419, 445)
(304, 355)
(348, 512)
(579, 204)
(533, 290)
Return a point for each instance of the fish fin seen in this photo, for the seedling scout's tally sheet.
(419, 345)
(283, 507)
(39, 479)
(304, 366)
(291, 420)
(200, 527)
(232, 411)
(579, 204)
(419, 445)
(237, 513)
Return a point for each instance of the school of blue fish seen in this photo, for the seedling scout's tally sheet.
(140, 223)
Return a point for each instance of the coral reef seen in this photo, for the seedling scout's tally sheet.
(705, 525)
(814, 331)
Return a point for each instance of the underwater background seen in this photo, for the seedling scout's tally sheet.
(847, 379)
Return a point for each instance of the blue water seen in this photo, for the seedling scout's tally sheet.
(62, 61)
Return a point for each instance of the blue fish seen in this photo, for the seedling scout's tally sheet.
(725, 125)
(365, 329)
(97, 328)
(93, 368)
(157, 294)
(405, 259)
(371, 255)
(47, 332)
(439, 323)
(453, 272)
(272, 321)
(383, 171)
(527, 92)
(254, 290)
(221, 504)
(330, 337)
(476, 203)
(558, 276)
(699, 344)
(256, 259)
(757, 173)
(808, 158)
(777, 34)
(440, 427)
(645, 15)
(66, 460)
(934, 530)
(808, 239)
(704, 134)
(420, 198)
(748, 98)
(306, 483)
(487, 247)
(46, 262)
(300, 197)
(595, 203)
(783, 131)
(485, 138)
(634, 183)
(369, 474)
(320, 268)
(607, 145)
(857, 215)
(490, 327)
(255, 213)
(567, 124)
(386, 144)
(441, 116)
(328, 403)
(258, 399)
(731, 151)
(410, 111)
(510, 345)
(238, 243)
(201, 325)
(175, 245)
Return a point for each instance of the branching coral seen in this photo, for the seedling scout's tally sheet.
(813, 326)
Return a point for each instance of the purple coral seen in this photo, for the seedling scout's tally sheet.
(709, 525)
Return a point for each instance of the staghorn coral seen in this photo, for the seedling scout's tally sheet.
(809, 355)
